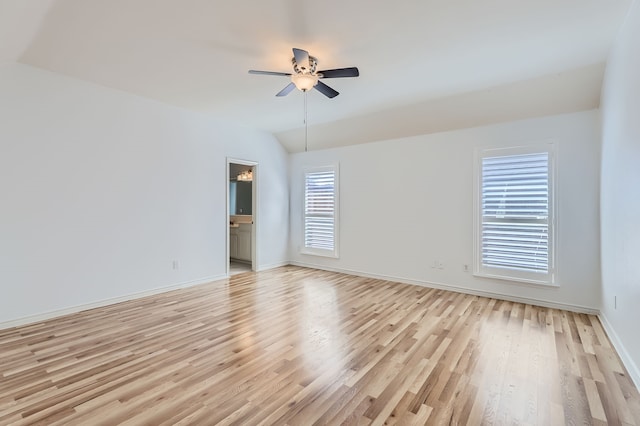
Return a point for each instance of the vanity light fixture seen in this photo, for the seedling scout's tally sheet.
(246, 176)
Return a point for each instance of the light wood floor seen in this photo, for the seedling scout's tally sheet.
(300, 346)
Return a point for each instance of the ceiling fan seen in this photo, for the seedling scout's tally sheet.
(305, 76)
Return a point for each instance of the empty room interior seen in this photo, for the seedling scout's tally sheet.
(295, 212)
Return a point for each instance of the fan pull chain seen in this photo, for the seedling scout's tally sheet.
(306, 124)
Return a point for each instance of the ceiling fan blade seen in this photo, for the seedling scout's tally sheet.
(286, 90)
(269, 73)
(340, 72)
(302, 58)
(326, 90)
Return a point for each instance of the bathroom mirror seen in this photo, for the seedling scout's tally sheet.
(240, 198)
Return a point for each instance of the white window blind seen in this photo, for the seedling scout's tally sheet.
(320, 206)
(515, 229)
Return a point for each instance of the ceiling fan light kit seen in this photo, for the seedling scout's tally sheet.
(304, 82)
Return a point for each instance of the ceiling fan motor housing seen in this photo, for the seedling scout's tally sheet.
(302, 68)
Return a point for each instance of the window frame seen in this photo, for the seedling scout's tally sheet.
(549, 278)
(333, 253)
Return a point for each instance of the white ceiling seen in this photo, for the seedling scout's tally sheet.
(425, 65)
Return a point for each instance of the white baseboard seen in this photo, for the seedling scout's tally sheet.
(272, 266)
(457, 289)
(98, 304)
(631, 366)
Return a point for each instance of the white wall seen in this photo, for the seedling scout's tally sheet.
(407, 202)
(102, 190)
(620, 192)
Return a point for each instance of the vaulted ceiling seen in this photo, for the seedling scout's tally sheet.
(426, 65)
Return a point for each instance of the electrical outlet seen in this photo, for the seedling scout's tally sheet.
(175, 265)
(465, 268)
(440, 264)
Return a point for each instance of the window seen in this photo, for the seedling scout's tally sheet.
(514, 214)
(320, 211)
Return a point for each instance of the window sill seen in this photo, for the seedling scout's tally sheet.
(518, 280)
(319, 253)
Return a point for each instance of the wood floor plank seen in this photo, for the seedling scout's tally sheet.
(300, 346)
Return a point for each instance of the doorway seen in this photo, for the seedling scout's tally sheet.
(242, 217)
